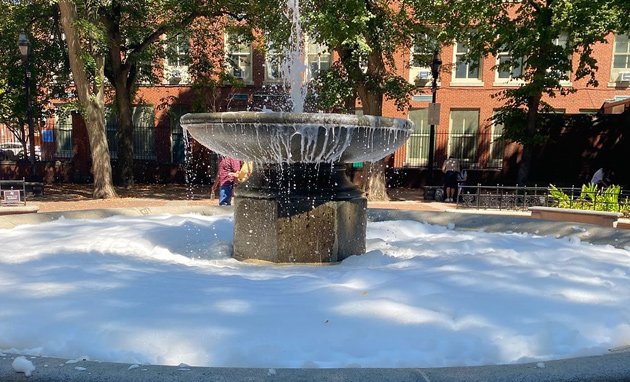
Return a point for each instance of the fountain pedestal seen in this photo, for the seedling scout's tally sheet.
(298, 205)
(305, 213)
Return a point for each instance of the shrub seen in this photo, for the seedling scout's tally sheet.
(592, 198)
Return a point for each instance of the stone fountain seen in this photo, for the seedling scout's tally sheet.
(298, 205)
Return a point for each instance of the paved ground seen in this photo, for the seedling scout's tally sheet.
(69, 197)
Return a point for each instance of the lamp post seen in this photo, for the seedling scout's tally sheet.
(436, 63)
(25, 47)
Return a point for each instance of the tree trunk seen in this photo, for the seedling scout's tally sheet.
(101, 164)
(373, 181)
(528, 149)
(125, 133)
(92, 100)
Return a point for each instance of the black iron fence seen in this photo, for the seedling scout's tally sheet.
(500, 197)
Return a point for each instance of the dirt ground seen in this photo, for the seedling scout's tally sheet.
(68, 196)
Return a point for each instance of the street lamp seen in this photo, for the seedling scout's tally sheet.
(25, 46)
(436, 63)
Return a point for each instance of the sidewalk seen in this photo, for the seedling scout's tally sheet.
(71, 197)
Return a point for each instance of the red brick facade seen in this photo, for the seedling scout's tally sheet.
(451, 95)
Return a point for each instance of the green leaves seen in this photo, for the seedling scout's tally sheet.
(591, 198)
(48, 74)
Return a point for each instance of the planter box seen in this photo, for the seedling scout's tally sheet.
(603, 218)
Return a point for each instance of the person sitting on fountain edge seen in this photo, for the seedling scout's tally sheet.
(227, 174)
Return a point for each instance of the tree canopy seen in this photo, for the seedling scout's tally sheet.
(47, 63)
(537, 41)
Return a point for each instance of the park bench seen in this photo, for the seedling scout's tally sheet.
(13, 194)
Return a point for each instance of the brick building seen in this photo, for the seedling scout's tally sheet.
(464, 131)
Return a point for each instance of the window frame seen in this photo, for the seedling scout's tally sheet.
(473, 160)
(469, 80)
(63, 125)
(496, 143)
(421, 75)
(511, 79)
(234, 58)
(615, 71)
(176, 73)
(421, 135)
(318, 54)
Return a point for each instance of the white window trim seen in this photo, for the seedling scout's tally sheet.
(308, 75)
(505, 81)
(455, 81)
(615, 73)
(495, 162)
(268, 78)
(172, 72)
(425, 136)
(248, 78)
(323, 56)
(469, 162)
(562, 40)
(415, 72)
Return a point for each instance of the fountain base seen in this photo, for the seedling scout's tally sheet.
(299, 213)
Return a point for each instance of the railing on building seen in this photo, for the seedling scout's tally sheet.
(522, 197)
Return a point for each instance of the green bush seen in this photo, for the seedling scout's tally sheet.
(592, 198)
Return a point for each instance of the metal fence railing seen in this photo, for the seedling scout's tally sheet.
(522, 197)
(143, 142)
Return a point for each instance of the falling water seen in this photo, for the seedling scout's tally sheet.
(293, 67)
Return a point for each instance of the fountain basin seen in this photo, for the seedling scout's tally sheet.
(280, 137)
(298, 205)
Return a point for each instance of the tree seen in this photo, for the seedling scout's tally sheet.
(87, 61)
(365, 35)
(134, 31)
(540, 38)
(49, 79)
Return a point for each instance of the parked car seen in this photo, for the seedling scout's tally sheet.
(15, 150)
(11, 150)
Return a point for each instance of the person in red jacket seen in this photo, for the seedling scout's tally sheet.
(227, 174)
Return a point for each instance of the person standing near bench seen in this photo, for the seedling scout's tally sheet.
(450, 168)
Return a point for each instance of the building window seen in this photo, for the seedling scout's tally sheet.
(318, 59)
(177, 49)
(465, 70)
(497, 147)
(621, 59)
(238, 57)
(143, 132)
(178, 146)
(508, 69)
(63, 136)
(563, 77)
(421, 57)
(417, 151)
(462, 138)
(273, 66)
